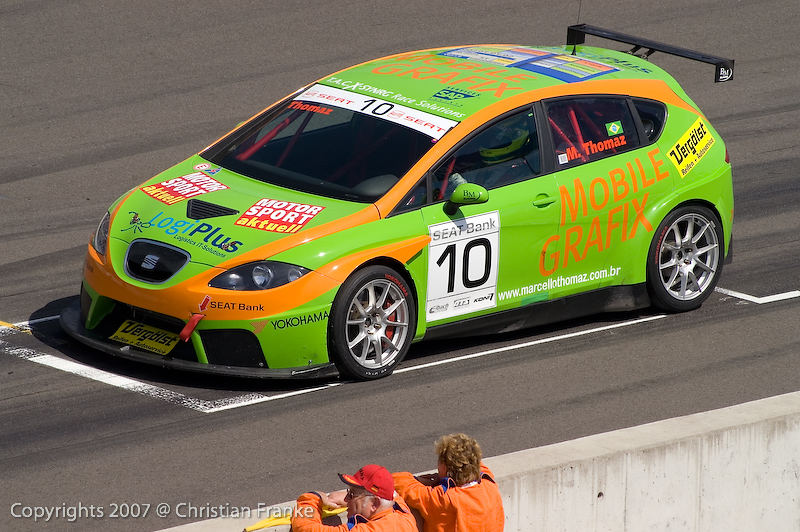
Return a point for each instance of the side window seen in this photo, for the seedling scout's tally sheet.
(503, 153)
(653, 115)
(416, 197)
(591, 128)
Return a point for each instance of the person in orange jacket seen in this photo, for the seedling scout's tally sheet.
(462, 497)
(371, 505)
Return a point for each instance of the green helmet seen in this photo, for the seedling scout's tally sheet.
(506, 141)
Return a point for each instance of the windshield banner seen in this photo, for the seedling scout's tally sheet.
(431, 125)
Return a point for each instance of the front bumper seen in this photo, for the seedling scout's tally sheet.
(72, 323)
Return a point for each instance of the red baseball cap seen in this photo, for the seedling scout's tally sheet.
(373, 478)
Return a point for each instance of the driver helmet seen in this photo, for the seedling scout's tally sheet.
(505, 141)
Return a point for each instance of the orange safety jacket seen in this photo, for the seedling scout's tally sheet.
(397, 518)
(474, 507)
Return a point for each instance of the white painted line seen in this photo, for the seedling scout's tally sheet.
(251, 399)
(95, 374)
(529, 344)
(23, 326)
(209, 407)
(156, 392)
(37, 320)
(8, 331)
(760, 300)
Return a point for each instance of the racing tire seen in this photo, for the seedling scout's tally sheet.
(373, 321)
(685, 259)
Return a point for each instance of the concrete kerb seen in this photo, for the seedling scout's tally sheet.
(735, 468)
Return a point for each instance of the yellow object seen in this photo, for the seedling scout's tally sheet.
(146, 337)
(287, 519)
(506, 152)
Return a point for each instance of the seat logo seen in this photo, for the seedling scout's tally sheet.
(150, 262)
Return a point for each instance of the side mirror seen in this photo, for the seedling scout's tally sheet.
(465, 194)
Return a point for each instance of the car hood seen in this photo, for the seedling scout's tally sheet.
(216, 215)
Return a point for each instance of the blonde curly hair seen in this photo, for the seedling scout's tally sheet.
(461, 455)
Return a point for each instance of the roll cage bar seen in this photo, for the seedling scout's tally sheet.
(577, 33)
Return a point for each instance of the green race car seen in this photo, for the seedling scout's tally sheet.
(452, 191)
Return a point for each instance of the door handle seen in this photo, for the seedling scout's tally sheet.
(543, 200)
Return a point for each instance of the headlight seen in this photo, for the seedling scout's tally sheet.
(260, 275)
(100, 238)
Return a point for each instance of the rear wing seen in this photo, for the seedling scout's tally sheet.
(577, 35)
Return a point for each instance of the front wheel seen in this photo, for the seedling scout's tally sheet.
(373, 323)
(685, 259)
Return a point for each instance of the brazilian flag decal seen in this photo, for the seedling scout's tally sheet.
(614, 128)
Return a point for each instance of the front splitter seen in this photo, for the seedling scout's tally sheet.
(71, 324)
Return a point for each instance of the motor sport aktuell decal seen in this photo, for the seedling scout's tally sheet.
(691, 147)
(431, 125)
(186, 186)
(462, 266)
(618, 224)
(278, 216)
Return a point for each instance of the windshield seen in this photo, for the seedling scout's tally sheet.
(345, 146)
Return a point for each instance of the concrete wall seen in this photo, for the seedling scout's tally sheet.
(733, 469)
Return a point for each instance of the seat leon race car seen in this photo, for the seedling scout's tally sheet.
(450, 191)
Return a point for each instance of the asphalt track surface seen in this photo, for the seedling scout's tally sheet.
(96, 98)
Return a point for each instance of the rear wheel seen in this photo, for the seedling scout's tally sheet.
(685, 258)
(373, 323)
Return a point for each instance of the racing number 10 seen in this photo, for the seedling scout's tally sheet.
(462, 266)
(449, 255)
(379, 110)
